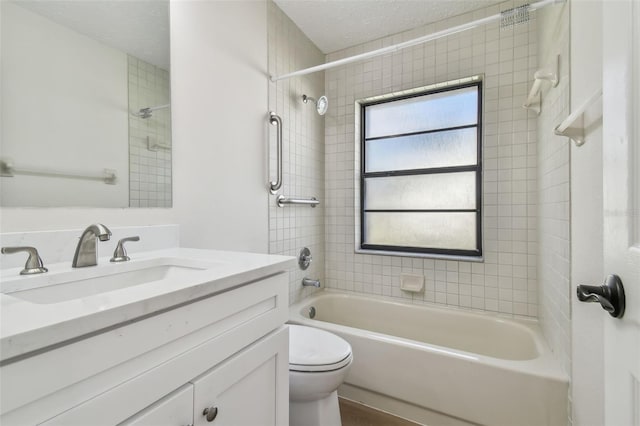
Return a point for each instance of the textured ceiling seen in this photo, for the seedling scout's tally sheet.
(141, 27)
(137, 27)
(337, 24)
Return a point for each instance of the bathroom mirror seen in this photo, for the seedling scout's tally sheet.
(86, 109)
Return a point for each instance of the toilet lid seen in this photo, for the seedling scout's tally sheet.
(312, 349)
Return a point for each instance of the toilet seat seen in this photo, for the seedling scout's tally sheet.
(315, 350)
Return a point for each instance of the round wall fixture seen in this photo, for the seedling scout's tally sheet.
(304, 258)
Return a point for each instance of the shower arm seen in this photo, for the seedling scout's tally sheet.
(321, 103)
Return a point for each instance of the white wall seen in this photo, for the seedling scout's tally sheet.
(506, 281)
(586, 217)
(219, 98)
(64, 98)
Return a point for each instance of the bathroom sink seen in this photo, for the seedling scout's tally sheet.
(80, 283)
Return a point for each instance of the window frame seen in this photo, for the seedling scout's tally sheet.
(477, 168)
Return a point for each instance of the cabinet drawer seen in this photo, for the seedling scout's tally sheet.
(175, 409)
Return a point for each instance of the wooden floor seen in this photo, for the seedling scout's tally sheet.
(354, 414)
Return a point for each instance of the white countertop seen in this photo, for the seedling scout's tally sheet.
(26, 327)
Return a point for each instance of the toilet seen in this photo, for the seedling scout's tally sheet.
(318, 363)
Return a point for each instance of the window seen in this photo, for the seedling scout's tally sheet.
(421, 172)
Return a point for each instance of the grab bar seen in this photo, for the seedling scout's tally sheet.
(283, 201)
(274, 119)
(8, 169)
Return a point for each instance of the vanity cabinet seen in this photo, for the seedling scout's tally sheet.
(240, 391)
(227, 352)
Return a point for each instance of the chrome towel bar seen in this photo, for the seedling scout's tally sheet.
(283, 201)
(274, 119)
(8, 169)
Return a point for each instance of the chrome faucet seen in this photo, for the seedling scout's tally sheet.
(86, 251)
(307, 282)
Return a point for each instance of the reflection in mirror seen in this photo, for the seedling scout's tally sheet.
(86, 108)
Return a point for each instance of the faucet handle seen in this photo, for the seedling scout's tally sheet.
(34, 263)
(120, 254)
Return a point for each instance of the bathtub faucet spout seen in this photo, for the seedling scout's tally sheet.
(307, 282)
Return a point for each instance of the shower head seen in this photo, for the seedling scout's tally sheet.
(143, 113)
(148, 111)
(322, 103)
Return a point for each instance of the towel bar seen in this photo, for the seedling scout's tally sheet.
(283, 201)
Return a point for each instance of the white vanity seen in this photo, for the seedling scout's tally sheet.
(172, 337)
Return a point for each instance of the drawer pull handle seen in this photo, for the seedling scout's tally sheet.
(210, 413)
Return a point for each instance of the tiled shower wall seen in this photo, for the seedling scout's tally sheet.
(506, 281)
(293, 227)
(149, 138)
(554, 189)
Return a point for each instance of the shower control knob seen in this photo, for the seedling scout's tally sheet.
(210, 413)
(304, 258)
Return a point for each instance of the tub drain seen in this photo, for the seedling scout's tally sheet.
(312, 312)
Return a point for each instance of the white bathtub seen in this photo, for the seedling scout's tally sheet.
(442, 366)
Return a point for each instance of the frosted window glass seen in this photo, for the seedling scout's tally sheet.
(441, 149)
(455, 231)
(436, 111)
(421, 192)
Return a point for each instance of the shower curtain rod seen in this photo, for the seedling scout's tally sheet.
(420, 40)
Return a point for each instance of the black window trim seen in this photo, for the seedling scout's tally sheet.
(409, 250)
